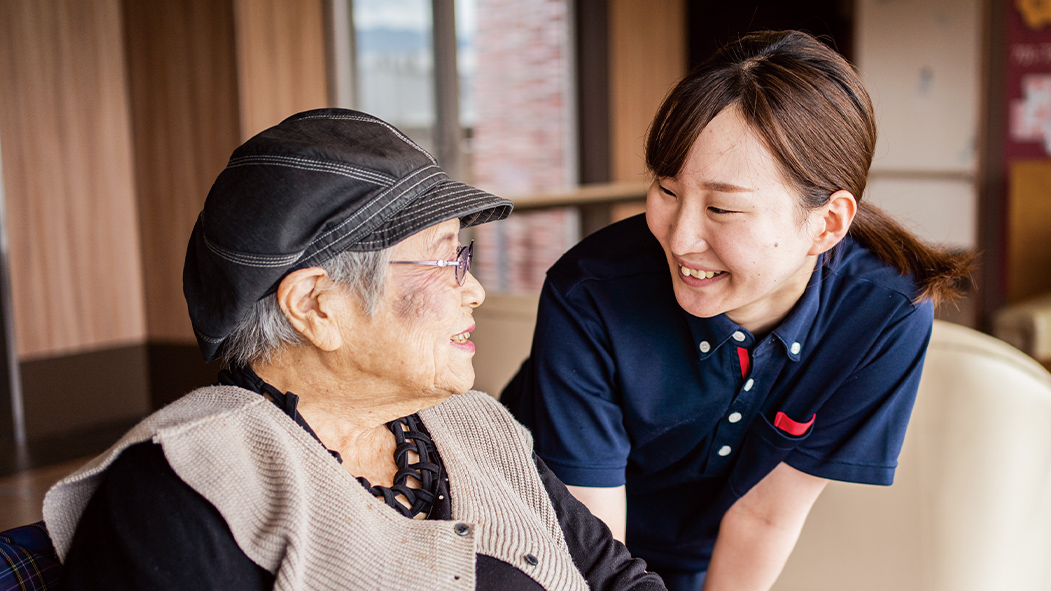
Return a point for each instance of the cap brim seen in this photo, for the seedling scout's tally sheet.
(445, 200)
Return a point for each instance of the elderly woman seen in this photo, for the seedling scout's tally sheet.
(342, 448)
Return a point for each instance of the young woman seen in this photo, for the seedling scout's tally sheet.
(699, 373)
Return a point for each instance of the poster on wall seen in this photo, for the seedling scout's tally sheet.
(1028, 79)
(1027, 152)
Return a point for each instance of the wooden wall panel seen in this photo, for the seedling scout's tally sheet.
(71, 212)
(183, 79)
(647, 56)
(1028, 265)
(281, 59)
(205, 75)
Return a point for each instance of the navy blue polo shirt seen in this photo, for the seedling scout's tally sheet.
(623, 386)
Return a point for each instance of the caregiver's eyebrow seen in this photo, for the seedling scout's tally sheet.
(726, 187)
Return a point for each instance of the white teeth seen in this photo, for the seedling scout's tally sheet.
(698, 273)
(462, 337)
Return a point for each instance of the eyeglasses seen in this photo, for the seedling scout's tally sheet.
(462, 262)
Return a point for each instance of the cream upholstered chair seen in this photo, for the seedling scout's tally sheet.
(971, 505)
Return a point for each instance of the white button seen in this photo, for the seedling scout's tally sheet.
(704, 347)
(734, 417)
(724, 450)
(738, 336)
(795, 348)
(748, 385)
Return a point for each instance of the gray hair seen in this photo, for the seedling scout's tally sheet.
(265, 329)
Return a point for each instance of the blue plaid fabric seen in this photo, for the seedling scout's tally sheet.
(30, 562)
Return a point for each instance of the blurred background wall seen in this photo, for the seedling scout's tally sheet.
(116, 115)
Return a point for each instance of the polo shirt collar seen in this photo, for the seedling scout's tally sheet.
(711, 333)
(793, 329)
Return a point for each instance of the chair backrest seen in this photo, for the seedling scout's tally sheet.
(971, 505)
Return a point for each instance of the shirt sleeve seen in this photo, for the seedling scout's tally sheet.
(144, 528)
(604, 562)
(859, 430)
(565, 393)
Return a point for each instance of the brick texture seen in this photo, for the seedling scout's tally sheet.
(519, 144)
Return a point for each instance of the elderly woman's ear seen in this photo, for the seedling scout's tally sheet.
(311, 302)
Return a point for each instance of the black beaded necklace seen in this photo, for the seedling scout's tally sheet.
(412, 436)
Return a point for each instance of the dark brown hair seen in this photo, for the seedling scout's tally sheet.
(807, 104)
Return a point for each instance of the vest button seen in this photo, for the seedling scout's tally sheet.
(462, 529)
(704, 347)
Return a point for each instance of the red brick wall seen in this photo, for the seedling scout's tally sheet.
(519, 145)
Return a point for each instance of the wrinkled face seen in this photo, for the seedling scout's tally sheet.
(735, 237)
(418, 339)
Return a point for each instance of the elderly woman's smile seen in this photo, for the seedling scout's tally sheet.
(420, 333)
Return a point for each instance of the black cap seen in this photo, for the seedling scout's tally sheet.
(317, 184)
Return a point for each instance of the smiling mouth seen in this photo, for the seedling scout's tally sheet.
(461, 338)
(697, 273)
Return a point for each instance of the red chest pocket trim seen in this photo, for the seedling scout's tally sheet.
(782, 422)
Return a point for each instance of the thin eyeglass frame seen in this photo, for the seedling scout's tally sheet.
(462, 262)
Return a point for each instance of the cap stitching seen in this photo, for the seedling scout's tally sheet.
(441, 205)
(251, 260)
(266, 261)
(205, 337)
(375, 213)
(381, 178)
(421, 212)
(376, 121)
(363, 222)
(314, 165)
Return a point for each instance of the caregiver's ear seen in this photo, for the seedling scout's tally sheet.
(832, 221)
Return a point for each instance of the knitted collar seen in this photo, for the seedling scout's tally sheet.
(431, 499)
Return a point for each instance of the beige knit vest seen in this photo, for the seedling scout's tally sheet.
(297, 513)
